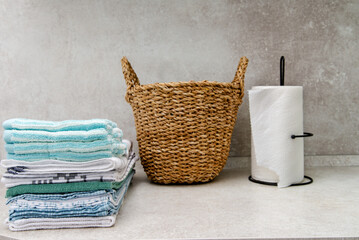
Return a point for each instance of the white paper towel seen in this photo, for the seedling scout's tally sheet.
(276, 113)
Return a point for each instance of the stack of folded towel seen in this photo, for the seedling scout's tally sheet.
(67, 174)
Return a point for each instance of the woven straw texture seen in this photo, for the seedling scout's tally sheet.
(184, 129)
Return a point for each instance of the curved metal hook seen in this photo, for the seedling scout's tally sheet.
(306, 134)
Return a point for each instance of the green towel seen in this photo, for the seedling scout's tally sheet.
(62, 187)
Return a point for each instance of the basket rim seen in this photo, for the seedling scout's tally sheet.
(191, 83)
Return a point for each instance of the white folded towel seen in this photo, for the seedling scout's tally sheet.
(56, 166)
(112, 170)
(57, 223)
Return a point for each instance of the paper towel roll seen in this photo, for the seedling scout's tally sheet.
(276, 113)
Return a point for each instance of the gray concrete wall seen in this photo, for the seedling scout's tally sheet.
(61, 59)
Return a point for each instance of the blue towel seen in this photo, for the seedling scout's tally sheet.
(110, 144)
(69, 125)
(24, 136)
(57, 196)
(86, 204)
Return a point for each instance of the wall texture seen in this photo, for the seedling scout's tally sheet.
(61, 59)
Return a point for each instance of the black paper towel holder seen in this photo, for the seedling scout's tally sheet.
(293, 136)
(281, 80)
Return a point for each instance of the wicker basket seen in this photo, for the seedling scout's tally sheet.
(184, 129)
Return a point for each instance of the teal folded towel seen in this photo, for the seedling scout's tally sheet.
(65, 156)
(24, 136)
(51, 126)
(115, 145)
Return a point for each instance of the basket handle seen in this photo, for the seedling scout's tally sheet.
(130, 77)
(239, 76)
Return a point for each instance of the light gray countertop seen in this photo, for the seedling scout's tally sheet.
(229, 207)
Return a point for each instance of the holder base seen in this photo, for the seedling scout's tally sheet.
(275, 184)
